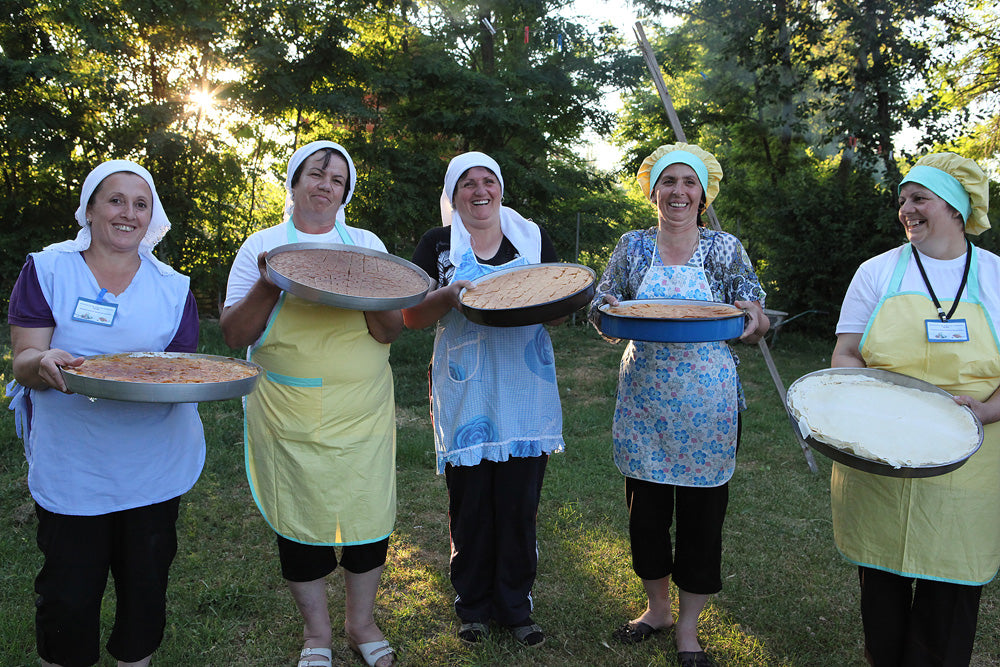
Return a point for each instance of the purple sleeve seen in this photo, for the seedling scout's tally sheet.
(186, 338)
(28, 307)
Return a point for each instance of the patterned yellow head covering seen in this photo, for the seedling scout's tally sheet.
(960, 182)
(705, 165)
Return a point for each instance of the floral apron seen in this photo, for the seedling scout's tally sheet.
(494, 392)
(676, 416)
(947, 527)
(320, 435)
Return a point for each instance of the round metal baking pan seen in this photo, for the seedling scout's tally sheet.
(535, 314)
(870, 465)
(346, 300)
(163, 392)
(673, 330)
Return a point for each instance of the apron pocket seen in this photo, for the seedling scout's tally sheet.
(293, 407)
(464, 356)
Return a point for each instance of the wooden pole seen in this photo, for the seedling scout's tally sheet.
(675, 123)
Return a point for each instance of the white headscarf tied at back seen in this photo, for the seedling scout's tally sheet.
(299, 156)
(521, 232)
(158, 223)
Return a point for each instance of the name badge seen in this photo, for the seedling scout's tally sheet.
(952, 331)
(95, 312)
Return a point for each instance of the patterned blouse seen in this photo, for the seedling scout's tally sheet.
(729, 270)
(730, 273)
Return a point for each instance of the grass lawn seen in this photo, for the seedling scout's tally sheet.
(788, 599)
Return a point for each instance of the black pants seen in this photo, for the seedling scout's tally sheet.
(695, 557)
(492, 509)
(695, 561)
(308, 562)
(137, 546)
(907, 625)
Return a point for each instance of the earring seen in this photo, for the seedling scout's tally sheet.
(89, 221)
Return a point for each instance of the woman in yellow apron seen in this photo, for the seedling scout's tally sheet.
(943, 533)
(320, 429)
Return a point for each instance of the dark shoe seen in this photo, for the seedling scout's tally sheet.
(529, 635)
(634, 632)
(694, 659)
(473, 633)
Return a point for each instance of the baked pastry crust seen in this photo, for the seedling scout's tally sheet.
(154, 369)
(671, 311)
(530, 286)
(348, 273)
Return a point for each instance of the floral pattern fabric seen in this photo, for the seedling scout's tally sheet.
(677, 406)
(730, 274)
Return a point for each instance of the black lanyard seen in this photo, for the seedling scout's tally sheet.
(965, 277)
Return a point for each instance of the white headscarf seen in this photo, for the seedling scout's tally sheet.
(521, 232)
(299, 156)
(158, 223)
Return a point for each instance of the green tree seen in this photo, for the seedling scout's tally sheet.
(784, 94)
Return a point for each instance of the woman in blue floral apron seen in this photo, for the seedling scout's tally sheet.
(495, 402)
(928, 309)
(676, 424)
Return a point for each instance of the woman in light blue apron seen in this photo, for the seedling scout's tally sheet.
(676, 423)
(106, 476)
(495, 402)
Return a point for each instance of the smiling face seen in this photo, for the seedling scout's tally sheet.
(119, 212)
(319, 190)
(477, 197)
(677, 196)
(929, 221)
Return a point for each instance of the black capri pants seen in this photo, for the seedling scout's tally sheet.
(137, 546)
(308, 562)
(695, 561)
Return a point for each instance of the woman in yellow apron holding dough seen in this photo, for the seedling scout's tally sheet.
(320, 428)
(925, 547)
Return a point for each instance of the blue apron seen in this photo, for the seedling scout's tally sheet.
(493, 391)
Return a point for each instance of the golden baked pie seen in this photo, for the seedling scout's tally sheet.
(674, 311)
(530, 286)
(159, 369)
(349, 273)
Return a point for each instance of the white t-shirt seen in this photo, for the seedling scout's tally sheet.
(871, 282)
(245, 273)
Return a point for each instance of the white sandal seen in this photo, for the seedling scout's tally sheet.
(324, 655)
(372, 652)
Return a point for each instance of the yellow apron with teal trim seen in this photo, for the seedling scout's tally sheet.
(947, 527)
(320, 437)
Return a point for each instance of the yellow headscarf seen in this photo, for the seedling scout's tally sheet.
(968, 174)
(713, 170)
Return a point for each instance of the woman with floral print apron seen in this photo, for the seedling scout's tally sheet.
(925, 547)
(494, 400)
(676, 424)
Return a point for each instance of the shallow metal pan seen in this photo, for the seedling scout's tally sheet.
(869, 465)
(345, 300)
(161, 392)
(534, 314)
(673, 330)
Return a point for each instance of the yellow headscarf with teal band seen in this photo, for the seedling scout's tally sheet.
(960, 182)
(707, 168)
